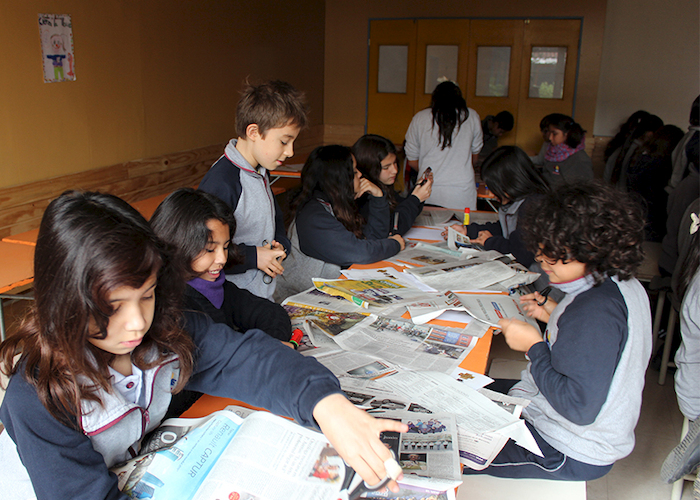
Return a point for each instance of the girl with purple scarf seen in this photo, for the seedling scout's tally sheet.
(565, 160)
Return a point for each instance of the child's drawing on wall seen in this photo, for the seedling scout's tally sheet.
(56, 34)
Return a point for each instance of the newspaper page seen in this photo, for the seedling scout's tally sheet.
(491, 308)
(457, 323)
(313, 299)
(407, 345)
(470, 274)
(223, 456)
(364, 293)
(355, 364)
(419, 488)
(432, 307)
(429, 448)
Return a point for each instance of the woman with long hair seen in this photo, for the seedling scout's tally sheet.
(446, 137)
(376, 160)
(93, 369)
(328, 233)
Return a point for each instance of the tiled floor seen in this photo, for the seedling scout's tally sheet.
(635, 477)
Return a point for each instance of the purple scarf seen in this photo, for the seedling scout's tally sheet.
(212, 290)
(561, 152)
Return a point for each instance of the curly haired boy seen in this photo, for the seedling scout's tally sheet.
(586, 373)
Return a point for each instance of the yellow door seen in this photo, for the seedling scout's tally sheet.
(391, 86)
(547, 83)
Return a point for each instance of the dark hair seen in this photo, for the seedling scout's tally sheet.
(589, 223)
(270, 105)
(181, 221)
(662, 143)
(544, 122)
(574, 132)
(509, 173)
(689, 265)
(647, 123)
(449, 111)
(505, 121)
(370, 151)
(694, 118)
(626, 129)
(329, 169)
(89, 245)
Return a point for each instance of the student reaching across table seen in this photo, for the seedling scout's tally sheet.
(510, 175)
(328, 233)
(105, 347)
(586, 374)
(376, 160)
(268, 120)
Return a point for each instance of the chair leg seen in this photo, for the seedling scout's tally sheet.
(660, 301)
(672, 315)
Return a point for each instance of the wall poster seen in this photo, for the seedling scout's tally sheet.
(56, 33)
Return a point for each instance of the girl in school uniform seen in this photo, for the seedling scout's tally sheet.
(105, 346)
(376, 160)
(511, 176)
(328, 232)
(199, 227)
(565, 161)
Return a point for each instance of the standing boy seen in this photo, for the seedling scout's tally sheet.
(269, 118)
(585, 377)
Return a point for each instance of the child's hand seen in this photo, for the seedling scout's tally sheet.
(457, 227)
(531, 305)
(520, 336)
(355, 436)
(482, 237)
(423, 192)
(400, 239)
(269, 257)
(367, 186)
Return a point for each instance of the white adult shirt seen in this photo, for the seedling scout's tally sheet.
(454, 185)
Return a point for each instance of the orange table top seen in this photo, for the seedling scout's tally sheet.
(18, 265)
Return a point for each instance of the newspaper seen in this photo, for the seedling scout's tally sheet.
(353, 364)
(404, 344)
(379, 293)
(470, 274)
(419, 488)
(224, 456)
(313, 299)
(457, 323)
(429, 448)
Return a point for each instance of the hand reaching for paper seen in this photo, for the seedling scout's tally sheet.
(355, 436)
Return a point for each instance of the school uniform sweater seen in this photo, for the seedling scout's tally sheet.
(259, 219)
(585, 380)
(408, 209)
(64, 462)
(688, 355)
(322, 245)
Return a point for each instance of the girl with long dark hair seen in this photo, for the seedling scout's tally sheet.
(446, 137)
(93, 368)
(328, 232)
(376, 160)
(511, 176)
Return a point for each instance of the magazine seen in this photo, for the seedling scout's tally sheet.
(380, 293)
(225, 456)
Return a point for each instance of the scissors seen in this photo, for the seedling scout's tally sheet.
(267, 279)
(545, 294)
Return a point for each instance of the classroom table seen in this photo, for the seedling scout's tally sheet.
(17, 271)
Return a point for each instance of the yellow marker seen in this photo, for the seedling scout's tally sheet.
(466, 216)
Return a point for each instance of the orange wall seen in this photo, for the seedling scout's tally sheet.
(153, 77)
(345, 93)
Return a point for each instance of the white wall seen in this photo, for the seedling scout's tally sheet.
(650, 61)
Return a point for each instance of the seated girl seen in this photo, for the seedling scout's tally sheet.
(376, 160)
(510, 175)
(565, 161)
(328, 232)
(105, 346)
(199, 227)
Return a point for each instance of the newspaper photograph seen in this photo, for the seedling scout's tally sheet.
(463, 275)
(407, 345)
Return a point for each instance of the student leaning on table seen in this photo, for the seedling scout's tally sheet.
(585, 377)
(105, 347)
(328, 233)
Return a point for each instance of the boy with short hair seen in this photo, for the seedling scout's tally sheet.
(269, 118)
(585, 377)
